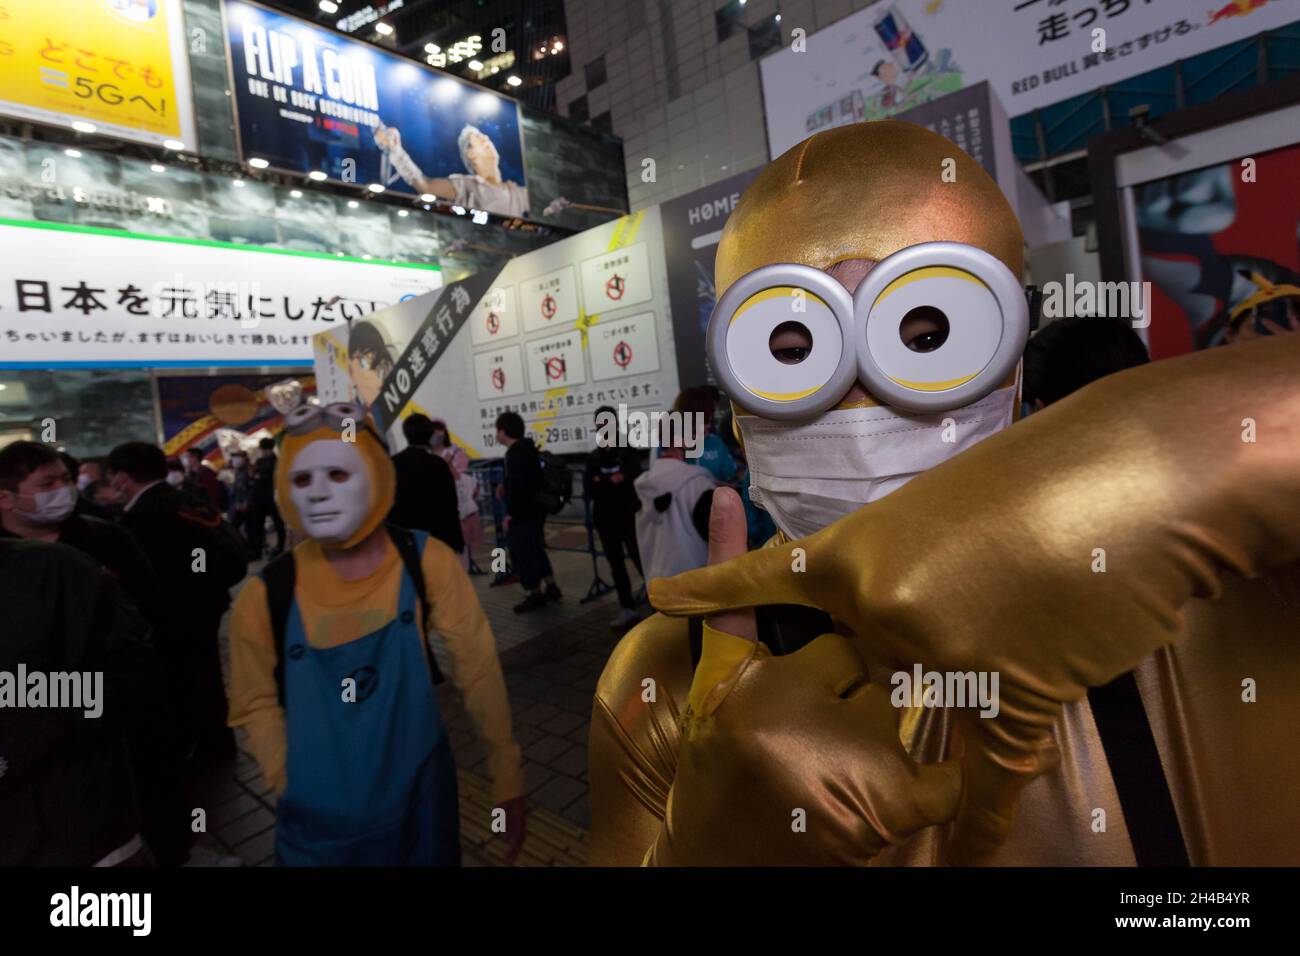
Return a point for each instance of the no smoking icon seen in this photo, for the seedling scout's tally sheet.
(615, 286)
(498, 379)
(622, 354)
(548, 306)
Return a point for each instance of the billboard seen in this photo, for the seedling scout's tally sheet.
(310, 100)
(87, 297)
(596, 331)
(119, 65)
(898, 54)
(692, 227)
(1210, 240)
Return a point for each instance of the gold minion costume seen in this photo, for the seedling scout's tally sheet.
(987, 562)
(332, 680)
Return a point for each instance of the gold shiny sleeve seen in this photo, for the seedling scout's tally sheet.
(1058, 553)
(632, 752)
(254, 703)
(459, 620)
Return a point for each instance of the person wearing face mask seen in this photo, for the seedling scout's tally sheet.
(37, 501)
(787, 345)
(176, 476)
(917, 529)
(332, 677)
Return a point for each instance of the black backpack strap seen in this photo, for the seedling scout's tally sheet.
(279, 577)
(409, 549)
(1140, 782)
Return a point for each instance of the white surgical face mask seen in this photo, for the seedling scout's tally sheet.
(808, 475)
(52, 506)
(330, 506)
(175, 478)
(84, 482)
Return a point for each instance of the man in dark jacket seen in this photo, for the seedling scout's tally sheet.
(525, 518)
(426, 491)
(262, 501)
(611, 469)
(197, 562)
(67, 795)
(36, 503)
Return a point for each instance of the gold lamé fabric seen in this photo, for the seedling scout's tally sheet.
(987, 562)
(863, 191)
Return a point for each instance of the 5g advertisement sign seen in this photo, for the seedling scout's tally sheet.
(118, 65)
(308, 99)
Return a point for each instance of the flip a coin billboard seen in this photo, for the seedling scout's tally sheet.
(307, 99)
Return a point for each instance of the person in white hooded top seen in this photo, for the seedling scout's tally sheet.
(672, 527)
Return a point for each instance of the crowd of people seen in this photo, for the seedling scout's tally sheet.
(151, 548)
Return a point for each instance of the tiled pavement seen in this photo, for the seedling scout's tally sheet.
(551, 660)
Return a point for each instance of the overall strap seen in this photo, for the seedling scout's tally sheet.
(410, 546)
(1140, 782)
(279, 577)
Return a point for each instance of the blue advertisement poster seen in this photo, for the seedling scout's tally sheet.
(311, 100)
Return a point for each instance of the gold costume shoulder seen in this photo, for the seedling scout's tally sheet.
(632, 753)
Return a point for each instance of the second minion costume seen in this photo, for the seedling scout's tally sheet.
(343, 718)
(980, 558)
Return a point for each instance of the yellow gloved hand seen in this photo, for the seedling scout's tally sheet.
(795, 761)
(1057, 553)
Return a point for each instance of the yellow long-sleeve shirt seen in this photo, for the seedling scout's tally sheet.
(335, 611)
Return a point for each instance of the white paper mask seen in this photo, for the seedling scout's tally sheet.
(330, 488)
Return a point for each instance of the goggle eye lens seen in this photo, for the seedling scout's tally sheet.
(924, 329)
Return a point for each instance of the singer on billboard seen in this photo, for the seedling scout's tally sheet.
(481, 188)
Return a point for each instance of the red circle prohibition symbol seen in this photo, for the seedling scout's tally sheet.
(498, 379)
(615, 286)
(554, 369)
(622, 354)
(493, 322)
(548, 306)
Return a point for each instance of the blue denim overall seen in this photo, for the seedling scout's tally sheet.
(370, 782)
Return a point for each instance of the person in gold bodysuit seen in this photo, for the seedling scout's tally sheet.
(1146, 524)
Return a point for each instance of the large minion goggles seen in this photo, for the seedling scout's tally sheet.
(971, 309)
(337, 417)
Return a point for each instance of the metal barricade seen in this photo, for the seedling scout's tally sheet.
(490, 473)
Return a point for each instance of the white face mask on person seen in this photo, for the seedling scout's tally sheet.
(175, 478)
(808, 475)
(330, 488)
(52, 506)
